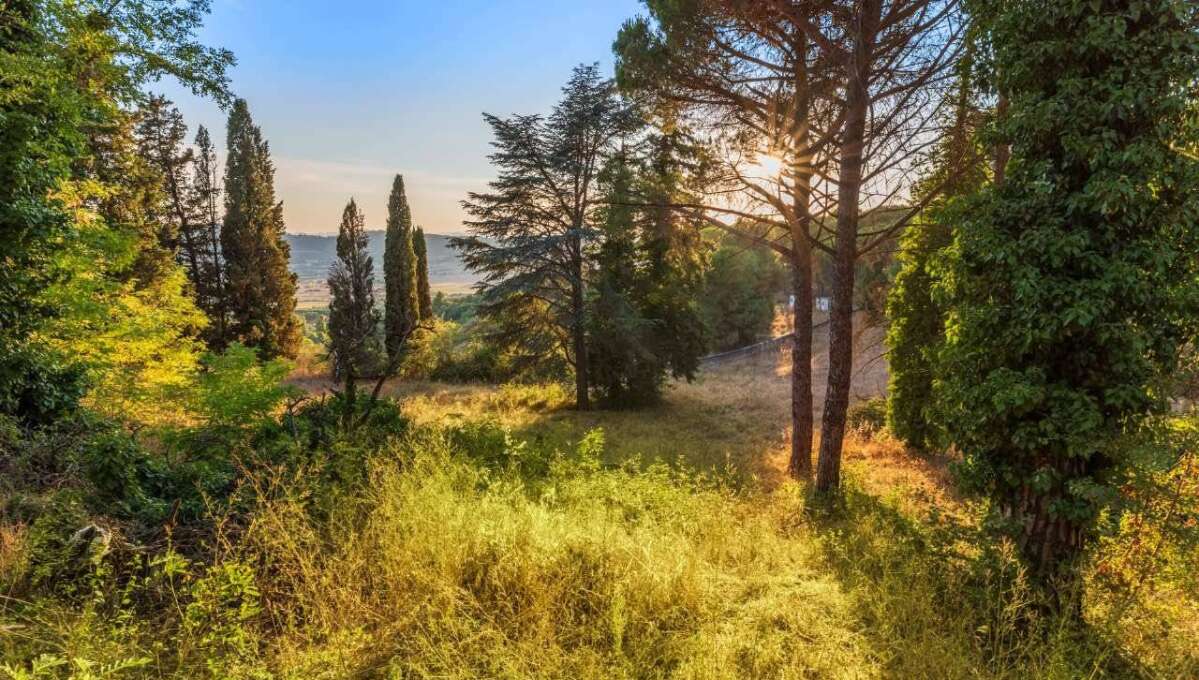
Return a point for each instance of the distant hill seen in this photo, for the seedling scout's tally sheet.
(311, 256)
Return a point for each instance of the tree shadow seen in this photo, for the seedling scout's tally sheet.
(939, 598)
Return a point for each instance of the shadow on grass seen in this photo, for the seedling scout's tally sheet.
(941, 599)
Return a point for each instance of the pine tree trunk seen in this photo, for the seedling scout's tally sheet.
(800, 466)
(840, 347)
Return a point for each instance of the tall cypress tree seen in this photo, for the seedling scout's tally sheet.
(399, 272)
(352, 315)
(260, 291)
(420, 248)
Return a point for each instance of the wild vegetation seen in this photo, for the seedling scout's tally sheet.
(550, 477)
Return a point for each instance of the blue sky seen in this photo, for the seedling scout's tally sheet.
(349, 93)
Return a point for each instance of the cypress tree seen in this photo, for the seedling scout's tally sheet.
(420, 248)
(399, 272)
(260, 291)
(643, 320)
(352, 314)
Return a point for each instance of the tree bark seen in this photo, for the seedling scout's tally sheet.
(800, 466)
(840, 343)
(579, 340)
(1050, 543)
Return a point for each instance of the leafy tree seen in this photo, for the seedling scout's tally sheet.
(739, 290)
(916, 319)
(421, 250)
(402, 291)
(530, 235)
(352, 314)
(40, 133)
(120, 309)
(260, 291)
(1073, 285)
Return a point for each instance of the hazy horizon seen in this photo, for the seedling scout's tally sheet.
(349, 95)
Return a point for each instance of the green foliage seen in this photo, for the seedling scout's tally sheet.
(236, 389)
(84, 256)
(1073, 285)
(421, 250)
(643, 317)
(457, 308)
(353, 319)
(260, 290)
(868, 417)
(531, 236)
(914, 336)
(739, 293)
(402, 291)
(223, 602)
(40, 121)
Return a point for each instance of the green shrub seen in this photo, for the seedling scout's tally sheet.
(868, 417)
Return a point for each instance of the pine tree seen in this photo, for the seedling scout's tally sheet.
(260, 291)
(191, 225)
(352, 314)
(420, 247)
(209, 276)
(402, 302)
(160, 138)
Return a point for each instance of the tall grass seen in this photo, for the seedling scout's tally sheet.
(467, 552)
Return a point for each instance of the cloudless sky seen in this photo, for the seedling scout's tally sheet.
(349, 93)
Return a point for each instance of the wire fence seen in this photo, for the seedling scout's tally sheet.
(757, 349)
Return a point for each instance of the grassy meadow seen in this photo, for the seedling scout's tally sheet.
(494, 532)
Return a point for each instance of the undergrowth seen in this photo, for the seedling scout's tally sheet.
(463, 551)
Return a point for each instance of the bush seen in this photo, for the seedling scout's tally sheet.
(868, 417)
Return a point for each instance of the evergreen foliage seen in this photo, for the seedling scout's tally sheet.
(352, 315)
(738, 297)
(644, 320)
(1073, 284)
(208, 276)
(402, 293)
(915, 333)
(421, 251)
(915, 316)
(259, 288)
(531, 234)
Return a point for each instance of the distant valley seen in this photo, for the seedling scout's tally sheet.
(311, 256)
